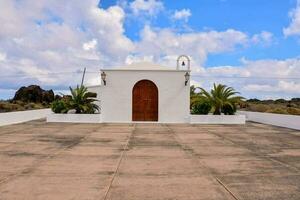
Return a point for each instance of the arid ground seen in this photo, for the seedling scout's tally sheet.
(40, 160)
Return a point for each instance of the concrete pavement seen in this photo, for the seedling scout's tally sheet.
(40, 160)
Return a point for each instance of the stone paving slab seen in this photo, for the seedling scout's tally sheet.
(40, 160)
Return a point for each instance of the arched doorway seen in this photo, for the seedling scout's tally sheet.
(145, 101)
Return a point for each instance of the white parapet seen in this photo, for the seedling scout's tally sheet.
(22, 116)
(74, 118)
(288, 121)
(218, 119)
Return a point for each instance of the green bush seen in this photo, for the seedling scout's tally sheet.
(277, 111)
(229, 109)
(9, 107)
(293, 111)
(201, 107)
(82, 101)
(259, 108)
(219, 96)
(59, 106)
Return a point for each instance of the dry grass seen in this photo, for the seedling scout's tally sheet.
(272, 107)
(7, 106)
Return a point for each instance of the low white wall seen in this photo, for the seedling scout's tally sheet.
(22, 116)
(288, 121)
(74, 118)
(218, 119)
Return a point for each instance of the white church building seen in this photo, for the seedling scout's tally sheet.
(144, 92)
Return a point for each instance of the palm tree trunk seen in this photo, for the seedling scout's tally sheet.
(217, 111)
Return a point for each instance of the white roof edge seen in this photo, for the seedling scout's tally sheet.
(92, 86)
(143, 66)
(160, 70)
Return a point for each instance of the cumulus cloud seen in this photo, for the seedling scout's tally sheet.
(150, 7)
(264, 38)
(183, 14)
(44, 37)
(167, 44)
(281, 86)
(90, 45)
(260, 78)
(2, 56)
(294, 26)
(49, 42)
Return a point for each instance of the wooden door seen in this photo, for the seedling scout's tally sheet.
(145, 101)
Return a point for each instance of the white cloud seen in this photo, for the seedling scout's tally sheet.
(183, 14)
(294, 26)
(260, 88)
(264, 38)
(166, 43)
(134, 59)
(2, 56)
(35, 43)
(38, 49)
(90, 45)
(151, 7)
(196, 83)
(261, 78)
(281, 86)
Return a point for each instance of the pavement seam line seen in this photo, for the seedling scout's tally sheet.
(44, 159)
(119, 162)
(205, 167)
(267, 157)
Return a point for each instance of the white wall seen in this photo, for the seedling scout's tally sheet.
(288, 121)
(22, 116)
(218, 119)
(74, 118)
(173, 95)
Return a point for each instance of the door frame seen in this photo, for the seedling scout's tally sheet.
(132, 103)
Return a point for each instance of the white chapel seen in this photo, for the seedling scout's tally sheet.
(144, 92)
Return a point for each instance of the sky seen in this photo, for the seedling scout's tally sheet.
(251, 45)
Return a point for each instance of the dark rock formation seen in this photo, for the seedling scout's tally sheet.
(34, 93)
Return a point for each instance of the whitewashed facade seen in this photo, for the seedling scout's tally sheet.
(116, 97)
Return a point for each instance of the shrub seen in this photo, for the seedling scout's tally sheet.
(29, 106)
(201, 107)
(8, 107)
(228, 109)
(293, 111)
(277, 111)
(219, 96)
(59, 106)
(82, 101)
(280, 101)
(259, 108)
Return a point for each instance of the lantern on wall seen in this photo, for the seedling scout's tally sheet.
(103, 77)
(187, 77)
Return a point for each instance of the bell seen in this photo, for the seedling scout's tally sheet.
(183, 63)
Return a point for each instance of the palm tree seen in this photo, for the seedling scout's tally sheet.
(82, 100)
(194, 96)
(221, 97)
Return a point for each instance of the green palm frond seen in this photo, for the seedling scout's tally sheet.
(82, 100)
(221, 96)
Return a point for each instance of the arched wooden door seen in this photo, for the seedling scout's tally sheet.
(145, 101)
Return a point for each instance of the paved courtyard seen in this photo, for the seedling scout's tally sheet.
(40, 160)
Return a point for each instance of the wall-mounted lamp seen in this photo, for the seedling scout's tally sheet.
(103, 77)
(187, 78)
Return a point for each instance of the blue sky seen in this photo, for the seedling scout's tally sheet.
(250, 16)
(47, 42)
